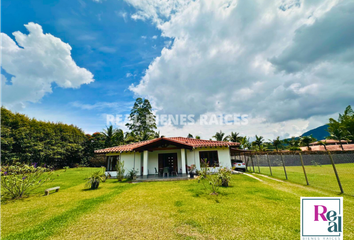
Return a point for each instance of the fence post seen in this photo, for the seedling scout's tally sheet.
(335, 171)
(259, 170)
(270, 169)
(252, 162)
(303, 168)
(286, 175)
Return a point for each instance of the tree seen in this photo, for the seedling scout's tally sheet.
(306, 140)
(197, 137)
(113, 137)
(277, 143)
(258, 142)
(142, 120)
(347, 120)
(322, 144)
(245, 143)
(337, 131)
(235, 137)
(190, 135)
(219, 136)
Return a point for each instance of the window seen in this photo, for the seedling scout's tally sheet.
(210, 158)
(111, 163)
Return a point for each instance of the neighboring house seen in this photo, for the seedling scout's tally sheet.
(331, 145)
(175, 154)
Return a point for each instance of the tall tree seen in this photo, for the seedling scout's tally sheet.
(306, 140)
(142, 120)
(277, 143)
(337, 131)
(245, 143)
(235, 137)
(113, 137)
(219, 136)
(190, 135)
(259, 141)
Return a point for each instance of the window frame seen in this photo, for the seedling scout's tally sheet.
(209, 155)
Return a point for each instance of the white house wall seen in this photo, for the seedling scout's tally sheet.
(192, 157)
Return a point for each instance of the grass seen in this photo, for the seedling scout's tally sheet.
(318, 176)
(248, 209)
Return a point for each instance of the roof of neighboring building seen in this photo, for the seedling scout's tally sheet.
(187, 142)
(329, 141)
(346, 147)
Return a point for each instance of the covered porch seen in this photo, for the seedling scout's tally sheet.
(163, 160)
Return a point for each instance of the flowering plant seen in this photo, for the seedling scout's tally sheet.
(20, 179)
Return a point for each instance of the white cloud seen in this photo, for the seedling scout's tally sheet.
(37, 61)
(223, 58)
(143, 37)
(154, 37)
(107, 49)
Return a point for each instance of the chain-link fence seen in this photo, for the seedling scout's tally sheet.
(332, 171)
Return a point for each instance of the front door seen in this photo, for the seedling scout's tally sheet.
(168, 160)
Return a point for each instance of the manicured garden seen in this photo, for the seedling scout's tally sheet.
(247, 209)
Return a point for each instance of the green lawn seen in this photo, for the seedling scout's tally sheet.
(249, 209)
(318, 176)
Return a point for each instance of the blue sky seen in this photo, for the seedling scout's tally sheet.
(286, 64)
(114, 48)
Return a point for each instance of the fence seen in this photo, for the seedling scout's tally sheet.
(332, 171)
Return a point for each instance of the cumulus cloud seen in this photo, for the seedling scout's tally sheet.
(279, 61)
(36, 61)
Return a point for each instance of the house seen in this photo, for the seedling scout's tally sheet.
(168, 156)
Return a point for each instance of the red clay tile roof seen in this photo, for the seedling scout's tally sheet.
(347, 147)
(330, 141)
(190, 142)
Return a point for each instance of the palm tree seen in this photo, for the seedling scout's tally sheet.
(130, 137)
(157, 134)
(277, 143)
(259, 141)
(306, 140)
(197, 137)
(337, 131)
(111, 136)
(245, 143)
(190, 135)
(219, 136)
(146, 135)
(323, 144)
(235, 137)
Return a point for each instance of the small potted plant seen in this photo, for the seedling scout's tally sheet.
(132, 174)
(192, 169)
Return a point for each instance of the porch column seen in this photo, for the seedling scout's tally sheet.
(183, 160)
(145, 159)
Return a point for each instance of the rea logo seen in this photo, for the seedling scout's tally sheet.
(321, 218)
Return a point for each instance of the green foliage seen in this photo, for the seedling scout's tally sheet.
(24, 139)
(132, 174)
(66, 168)
(19, 179)
(120, 170)
(306, 140)
(142, 120)
(219, 136)
(113, 137)
(235, 137)
(93, 181)
(210, 178)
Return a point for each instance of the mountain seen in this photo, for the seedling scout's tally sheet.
(318, 133)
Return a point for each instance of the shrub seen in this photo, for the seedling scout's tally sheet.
(210, 178)
(66, 168)
(93, 181)
(19, 180)
(120, 170)
(132, 174)
(225, 176)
